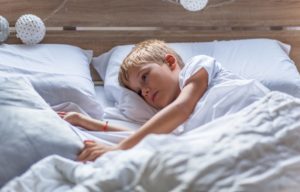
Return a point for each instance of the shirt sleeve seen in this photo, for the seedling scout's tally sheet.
(195, 64)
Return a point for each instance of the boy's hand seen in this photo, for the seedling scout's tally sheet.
(73, 118)
(93, 150)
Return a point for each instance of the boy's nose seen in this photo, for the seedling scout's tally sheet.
(145, 92)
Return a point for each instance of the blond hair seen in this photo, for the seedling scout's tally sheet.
(149, 51)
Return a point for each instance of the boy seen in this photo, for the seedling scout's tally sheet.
(156, 73)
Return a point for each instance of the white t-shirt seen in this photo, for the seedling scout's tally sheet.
(226, 93)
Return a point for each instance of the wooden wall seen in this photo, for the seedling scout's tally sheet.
(156, 13)
(102, 24)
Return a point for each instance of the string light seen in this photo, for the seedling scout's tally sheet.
(30, 29)
(191, 5)
(4, 29)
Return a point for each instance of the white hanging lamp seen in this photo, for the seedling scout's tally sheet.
(4, 29)
(30, 29)
(193, 5)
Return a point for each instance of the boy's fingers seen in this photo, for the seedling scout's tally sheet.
(83, 155)
(86, 151)
(91, 151)
(88, 140)
(93, 155)
(61, 114)
(88, 143)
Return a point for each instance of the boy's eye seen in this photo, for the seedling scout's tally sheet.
(144, 77)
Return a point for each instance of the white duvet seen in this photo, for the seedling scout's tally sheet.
(226, 93)
(256, 149)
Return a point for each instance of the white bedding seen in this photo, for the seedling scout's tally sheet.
(256, 149)
(29, 129)
(113, 114)
(101, 98)
(266, 60)
(227, 93)
(108, 138)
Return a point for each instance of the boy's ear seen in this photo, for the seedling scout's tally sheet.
(171, 61)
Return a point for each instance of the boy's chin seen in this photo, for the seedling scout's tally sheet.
(156, 106)
(161, 106)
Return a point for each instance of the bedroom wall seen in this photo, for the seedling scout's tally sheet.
(102, 24)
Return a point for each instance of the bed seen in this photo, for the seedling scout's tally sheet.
(75, 69)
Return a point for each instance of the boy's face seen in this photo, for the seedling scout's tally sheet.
(157, 84)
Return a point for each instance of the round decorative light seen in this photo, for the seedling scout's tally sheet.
(30, 29)
(193, 5)
(4, 29)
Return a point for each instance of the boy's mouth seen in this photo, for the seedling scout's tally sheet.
(154, 96)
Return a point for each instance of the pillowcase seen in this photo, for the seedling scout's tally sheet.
(29, 129)
(59, 73)
(261, 59)
(266, 60)
(101, 98)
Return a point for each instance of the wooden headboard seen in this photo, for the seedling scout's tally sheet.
(101, 24)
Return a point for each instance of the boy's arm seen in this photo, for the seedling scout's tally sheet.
(96, 125)
(89, 123)
(170, 117)
(165, 121)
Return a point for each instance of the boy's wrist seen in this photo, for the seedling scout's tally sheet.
(124, 145)
(80, 119)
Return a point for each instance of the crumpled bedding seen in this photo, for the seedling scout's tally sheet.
(256, 149)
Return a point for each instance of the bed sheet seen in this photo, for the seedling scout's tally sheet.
(109, 138)
(256, 149)
(113, 113)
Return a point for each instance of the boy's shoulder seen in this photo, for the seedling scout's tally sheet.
(197, 62)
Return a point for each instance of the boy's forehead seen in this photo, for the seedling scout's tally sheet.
(134, 70)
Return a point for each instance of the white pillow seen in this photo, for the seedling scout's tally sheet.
(261, 59)
(101, 98)
(266, 60)
(29, 129)
(59, 73)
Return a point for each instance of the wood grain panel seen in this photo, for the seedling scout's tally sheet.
(155, 13)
